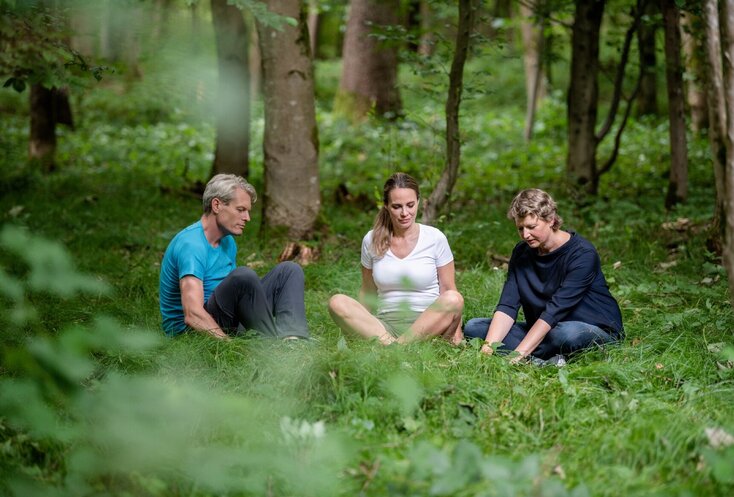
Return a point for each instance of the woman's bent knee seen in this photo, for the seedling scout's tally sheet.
(452, 301)
(338, 304)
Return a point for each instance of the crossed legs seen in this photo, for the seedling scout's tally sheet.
(442, 318)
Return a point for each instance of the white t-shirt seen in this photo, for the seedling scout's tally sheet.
(412, 280)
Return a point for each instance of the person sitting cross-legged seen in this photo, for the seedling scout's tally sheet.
(556, 277)
(408, 290)
(201, 287)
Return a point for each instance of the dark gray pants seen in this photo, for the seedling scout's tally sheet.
(273, 306)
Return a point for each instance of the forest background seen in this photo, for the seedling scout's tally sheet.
(93, 399)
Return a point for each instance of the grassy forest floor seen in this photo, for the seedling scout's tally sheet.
(94, 401)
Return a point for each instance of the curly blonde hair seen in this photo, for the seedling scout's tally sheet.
(538, 203)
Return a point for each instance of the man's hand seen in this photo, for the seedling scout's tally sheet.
(218, 334)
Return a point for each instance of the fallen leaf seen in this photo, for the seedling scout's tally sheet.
(659, 366)
(719, 438)
(716, 348)
(667, 265)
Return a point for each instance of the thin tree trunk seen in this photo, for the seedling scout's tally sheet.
(647, 103)
(233, 95)
(695, 88)
(427, 43)
(290, 142)
(583, 92)
(442, 192)
(678, 182)
(370, 68)
(314, 16)
(42, 143)
(533, 38)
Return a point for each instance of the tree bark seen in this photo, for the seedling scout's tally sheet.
(583, 92)
(370, 68)
(42, 143)
(695, 87)
(536, 83)
(233, 95)
(48, 107)
(647, 103)
(717, 107)
(290, 142)
(678, 181)
(728, 50)
(719, 44)
(314, 18)
(442, 192)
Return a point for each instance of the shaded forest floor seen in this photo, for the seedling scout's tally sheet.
(96, 400)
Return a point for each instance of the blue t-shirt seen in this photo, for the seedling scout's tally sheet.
(564, 285)
(190, 254)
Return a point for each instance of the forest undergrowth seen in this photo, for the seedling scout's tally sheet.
(94, 401)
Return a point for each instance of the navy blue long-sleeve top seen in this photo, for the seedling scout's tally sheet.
(564, 285)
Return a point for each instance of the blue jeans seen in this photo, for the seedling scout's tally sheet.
(565, 338)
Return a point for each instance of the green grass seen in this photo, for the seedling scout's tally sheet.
(192, 416)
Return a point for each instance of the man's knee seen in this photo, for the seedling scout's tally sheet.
(244, 276)
(290, 269)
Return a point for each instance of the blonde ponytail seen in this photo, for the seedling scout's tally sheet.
(381, 233)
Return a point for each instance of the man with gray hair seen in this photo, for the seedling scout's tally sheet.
(201, 287)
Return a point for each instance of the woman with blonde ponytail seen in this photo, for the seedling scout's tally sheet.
(408, 289)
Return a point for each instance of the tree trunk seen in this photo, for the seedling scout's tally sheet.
(695, 84)
(583, 92)
(233, 95)
(290, 142)
(719, 44)
(533, 38)
(427, 44)
(48, 107)
(728, 50)
(314, 16)
(442, 192)
(678, 182)
(717, 116)
(647, 103)
(370, 68)
(42, 143)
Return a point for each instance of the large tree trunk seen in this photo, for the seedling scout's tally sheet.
(290, 142)
(719, 41)
(370, 68)
(717, 117)
(695, 84)
(583, 92)
(442, 192)
(647, 103)
(678, 182)
(536, 86)
(729, 173)
(233, 95)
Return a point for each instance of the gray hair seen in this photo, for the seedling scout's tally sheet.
(536, 202)
(223, 186)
